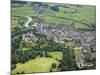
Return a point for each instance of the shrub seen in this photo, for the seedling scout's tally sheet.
(54, 65)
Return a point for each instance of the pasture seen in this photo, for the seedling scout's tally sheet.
(40, 64)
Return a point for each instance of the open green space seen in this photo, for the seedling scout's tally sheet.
(41, 64)
(68, 14)
(39, 47)
(19, 13)
(25, 10)
(78, 52)
(56, 55)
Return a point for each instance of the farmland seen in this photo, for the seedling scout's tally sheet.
(72, 15)
(48, 37)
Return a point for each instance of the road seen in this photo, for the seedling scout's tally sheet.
(26, 25)
(29, 20)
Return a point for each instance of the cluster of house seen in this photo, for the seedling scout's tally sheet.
(84, 41)
(87, 38)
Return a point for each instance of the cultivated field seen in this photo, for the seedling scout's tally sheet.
(48, 37)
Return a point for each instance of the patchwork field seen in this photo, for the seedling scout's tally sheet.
(19, 13)
(44, 37)
(76, 16)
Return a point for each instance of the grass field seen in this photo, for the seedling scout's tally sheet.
(66, 14)
(78, 52)
(19, 13)
(56, 55)
(74, 16)
(84, 14)
(40, 64)
(25, 10)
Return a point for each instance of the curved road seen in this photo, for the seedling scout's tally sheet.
(26, 25)
(29, 20)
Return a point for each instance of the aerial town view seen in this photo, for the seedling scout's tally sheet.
(52, 37)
